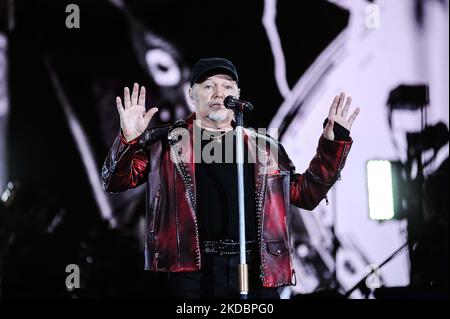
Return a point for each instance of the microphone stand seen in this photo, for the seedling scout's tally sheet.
(243, 267)
(239, 107)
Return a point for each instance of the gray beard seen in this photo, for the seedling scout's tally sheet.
(218, 116)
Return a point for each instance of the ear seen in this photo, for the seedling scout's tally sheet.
(239, 93)
(191, 96)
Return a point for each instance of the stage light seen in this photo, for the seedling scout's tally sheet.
(383, 192)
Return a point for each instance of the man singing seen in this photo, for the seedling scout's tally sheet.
(192, 199)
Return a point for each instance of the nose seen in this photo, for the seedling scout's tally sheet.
(218, 93)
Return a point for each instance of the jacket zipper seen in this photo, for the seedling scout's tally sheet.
(344, 155)
(155, 211)
(338, 174)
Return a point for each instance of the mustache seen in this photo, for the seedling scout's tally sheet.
(215, 102)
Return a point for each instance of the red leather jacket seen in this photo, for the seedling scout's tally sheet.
(163, 158)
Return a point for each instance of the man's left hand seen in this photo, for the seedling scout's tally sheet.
(338, 113)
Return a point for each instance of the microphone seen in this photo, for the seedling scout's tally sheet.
(232, 103)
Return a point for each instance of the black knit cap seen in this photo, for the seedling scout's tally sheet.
(210, 66)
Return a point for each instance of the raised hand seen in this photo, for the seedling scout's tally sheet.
(338, 113)
(133, 117)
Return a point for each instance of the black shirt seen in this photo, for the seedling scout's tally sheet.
(217, 189)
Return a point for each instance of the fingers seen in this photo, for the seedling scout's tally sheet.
(338, 107)
(119, 105)
(353, 116)
(346, 107)
(341, 103)
(333, 106)
(149, 115)
(126, 95)
(141, 101)
(137, 97)
(134, 95)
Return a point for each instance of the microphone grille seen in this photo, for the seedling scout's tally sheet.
(230, 102)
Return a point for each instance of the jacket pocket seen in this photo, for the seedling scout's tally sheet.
(277, 248)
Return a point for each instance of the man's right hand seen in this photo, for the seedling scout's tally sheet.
(133, 117)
